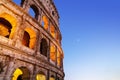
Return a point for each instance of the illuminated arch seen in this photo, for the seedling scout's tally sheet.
(45, 22)
(53, 53)
(5, 28)
(58, 58)
(21, 73)
(57, 37)
(52, 78)
(52, 31)
(31, 37)
(26, 39)
(43, 47)
(12, 21)
(40, 76)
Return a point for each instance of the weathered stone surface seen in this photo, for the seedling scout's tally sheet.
(21, 48)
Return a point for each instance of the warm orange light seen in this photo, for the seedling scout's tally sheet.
(3, 30)
(53, 53)
(32, 37)
(17, 73)
(58, 58)
(40, 77)
(52, 31)
(51, 78)
(12, 21)
(46, 22)
(57, 36)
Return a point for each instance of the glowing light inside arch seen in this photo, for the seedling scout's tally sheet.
(58, 58)
(12, 21)
(53, 53)
(17, 73)
(40, 77)
(52, 78)
(46, 22)
(52, 31)
(3, 30)
(32, 34)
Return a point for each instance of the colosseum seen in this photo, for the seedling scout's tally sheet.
(30, 41)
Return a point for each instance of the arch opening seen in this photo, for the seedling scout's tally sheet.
(5, 28)
(19, 2)
(26, 39)
(57, 37)
(21, 73)
(52, 31)
(58, 58)
(12, 21)
(52, 78)
(53, 53)
(58, 78)
(53, 13)
(40, 76)
(33, 11)
(29, 38)
(45, 22)
(43, 47)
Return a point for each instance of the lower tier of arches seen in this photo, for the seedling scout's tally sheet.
(15, 69)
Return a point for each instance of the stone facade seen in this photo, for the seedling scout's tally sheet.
(30, 43)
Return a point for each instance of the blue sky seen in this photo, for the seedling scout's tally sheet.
(91, 38)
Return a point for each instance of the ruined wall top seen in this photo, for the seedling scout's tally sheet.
(50, 6)
(41, 7)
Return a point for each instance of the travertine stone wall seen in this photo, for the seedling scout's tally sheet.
(22, 49)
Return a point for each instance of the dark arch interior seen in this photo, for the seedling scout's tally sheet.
(43, 47)
(52, 76)
(26, 39)
(19, 77)
(53, 13)
(22, 1)
(7, 25)
(58, 78)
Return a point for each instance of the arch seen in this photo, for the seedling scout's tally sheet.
(57, 36)
(21, 73)
(53, 53)
(58, 58)
(40, 76)
(29, 38)
(52, 77)
(45, 22)
(43, 47)
(1, 67)
(52, 31)
(26, 39)
(12, 21)
(33, 11)
(53, 13)
(5, 28)
(19, 2)
(58, 78)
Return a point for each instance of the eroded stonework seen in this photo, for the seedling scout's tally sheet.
(30, 41)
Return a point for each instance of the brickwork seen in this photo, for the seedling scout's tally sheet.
(26, 41)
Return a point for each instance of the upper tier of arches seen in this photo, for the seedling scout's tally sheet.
(47, 5)
(41, 14)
